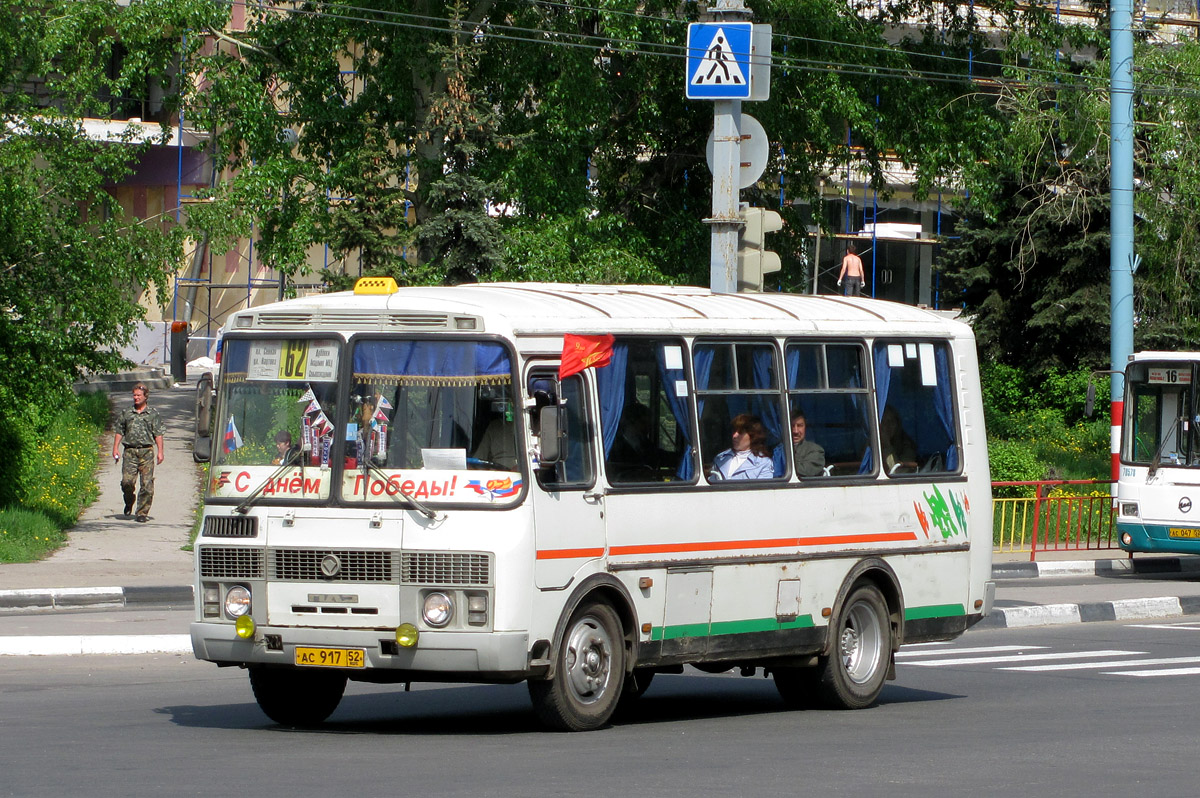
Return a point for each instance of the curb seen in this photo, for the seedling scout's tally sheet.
(64, 598)
(1149, 565)
(1090, 612)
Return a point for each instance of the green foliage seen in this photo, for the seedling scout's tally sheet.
(48, 474)
(1014, 461)
(27, 535)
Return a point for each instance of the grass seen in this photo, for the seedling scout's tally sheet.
(27, 535)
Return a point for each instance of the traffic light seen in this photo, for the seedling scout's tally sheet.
(753, 258)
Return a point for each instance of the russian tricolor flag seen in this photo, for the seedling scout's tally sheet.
(233, 440)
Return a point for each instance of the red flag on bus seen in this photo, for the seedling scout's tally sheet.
(584, 352)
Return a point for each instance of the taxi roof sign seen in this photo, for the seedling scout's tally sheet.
(376, 285)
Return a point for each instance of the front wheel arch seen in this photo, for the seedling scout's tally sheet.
(598, 587)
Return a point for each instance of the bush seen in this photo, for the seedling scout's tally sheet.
(48, 474)
(1014, 461)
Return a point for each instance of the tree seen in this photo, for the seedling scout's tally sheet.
(72, 265)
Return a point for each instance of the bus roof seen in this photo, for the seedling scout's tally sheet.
(554, 309)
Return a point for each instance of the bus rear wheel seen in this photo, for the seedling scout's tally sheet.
(297, 697)
(589, 674)
(853, 675)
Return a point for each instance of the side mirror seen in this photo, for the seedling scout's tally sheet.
(1089, 406)
(549, 422)
(202, 449)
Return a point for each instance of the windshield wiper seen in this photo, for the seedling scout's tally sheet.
(420, 506)
(289, 460)
(1154, 463)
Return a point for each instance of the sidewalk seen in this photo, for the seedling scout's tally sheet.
(109, 557)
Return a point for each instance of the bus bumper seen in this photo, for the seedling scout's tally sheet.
(490, 656)
(1157, 538)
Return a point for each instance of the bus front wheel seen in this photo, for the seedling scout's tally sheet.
(853, 674)
(589, 673)
(297, 697)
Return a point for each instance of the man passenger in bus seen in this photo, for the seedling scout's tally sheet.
(809, 456)
(634, 446)
(898, 449)
(749, 457)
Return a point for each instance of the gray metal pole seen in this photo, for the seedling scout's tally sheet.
(1121, 255)
(725, 222)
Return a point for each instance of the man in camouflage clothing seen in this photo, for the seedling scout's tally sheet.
(140, 430)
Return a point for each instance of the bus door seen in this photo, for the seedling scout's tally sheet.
(568, 509)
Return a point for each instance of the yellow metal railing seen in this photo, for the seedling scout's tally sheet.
(1054, 518)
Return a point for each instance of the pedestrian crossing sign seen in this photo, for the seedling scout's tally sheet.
(718, 62)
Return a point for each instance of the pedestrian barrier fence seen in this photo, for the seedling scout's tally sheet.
(1053, 515)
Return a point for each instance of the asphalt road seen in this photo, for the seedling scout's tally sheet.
(1086, 710)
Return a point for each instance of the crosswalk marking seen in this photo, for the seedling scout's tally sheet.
(1081, 666)
(938, 663)
(904, 653)
(1162, 672)
(1193, 626)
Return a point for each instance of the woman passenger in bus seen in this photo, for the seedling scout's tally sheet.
(749, 457)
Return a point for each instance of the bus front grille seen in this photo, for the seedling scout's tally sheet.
(231, 562)
(230, 526)
(331, 565)
(445, 568)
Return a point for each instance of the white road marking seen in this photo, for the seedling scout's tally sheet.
(1164, 672)
(904, 654)
(59, 645)
(1080, 666)
(1192, 626)
(938, 663)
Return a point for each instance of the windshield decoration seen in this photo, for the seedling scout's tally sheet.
(233, 439)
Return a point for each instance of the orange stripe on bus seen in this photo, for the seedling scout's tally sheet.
(569, 554)
(729, 545)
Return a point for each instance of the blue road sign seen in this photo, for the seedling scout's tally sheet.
(718, 62)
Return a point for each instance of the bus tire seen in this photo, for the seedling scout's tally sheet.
(798, 687)
(589, 674)
(853, 675)
(297, 697)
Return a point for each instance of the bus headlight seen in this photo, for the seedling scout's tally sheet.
(237, 601)
(438, 610)
(1129, 508)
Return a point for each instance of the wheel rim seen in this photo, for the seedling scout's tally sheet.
(860, 642)
(588, 660)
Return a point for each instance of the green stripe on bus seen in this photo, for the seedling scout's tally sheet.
(729, 628)
(934, 611)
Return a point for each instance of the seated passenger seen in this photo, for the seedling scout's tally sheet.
(749, 457)
(498, 444)
(283, 447)
(899, 451)
(808, 455)
(634, 446)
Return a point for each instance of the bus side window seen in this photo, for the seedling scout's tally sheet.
(576, 469)
(827, 389)
(645, 412)
(915, 400)
(739, 382)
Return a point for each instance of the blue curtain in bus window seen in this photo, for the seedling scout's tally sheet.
(943, 403)
(235, 359)
(610, 384)
(883, 382)
(473, 359)
(762, 364)
(680, 407)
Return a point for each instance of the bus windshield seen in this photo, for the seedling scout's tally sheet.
(433, 419)
(1160, 428)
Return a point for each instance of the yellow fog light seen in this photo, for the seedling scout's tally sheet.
(406, 635)
(245, 627)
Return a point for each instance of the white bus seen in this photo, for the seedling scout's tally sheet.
(1160, 455)
(403, 488)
